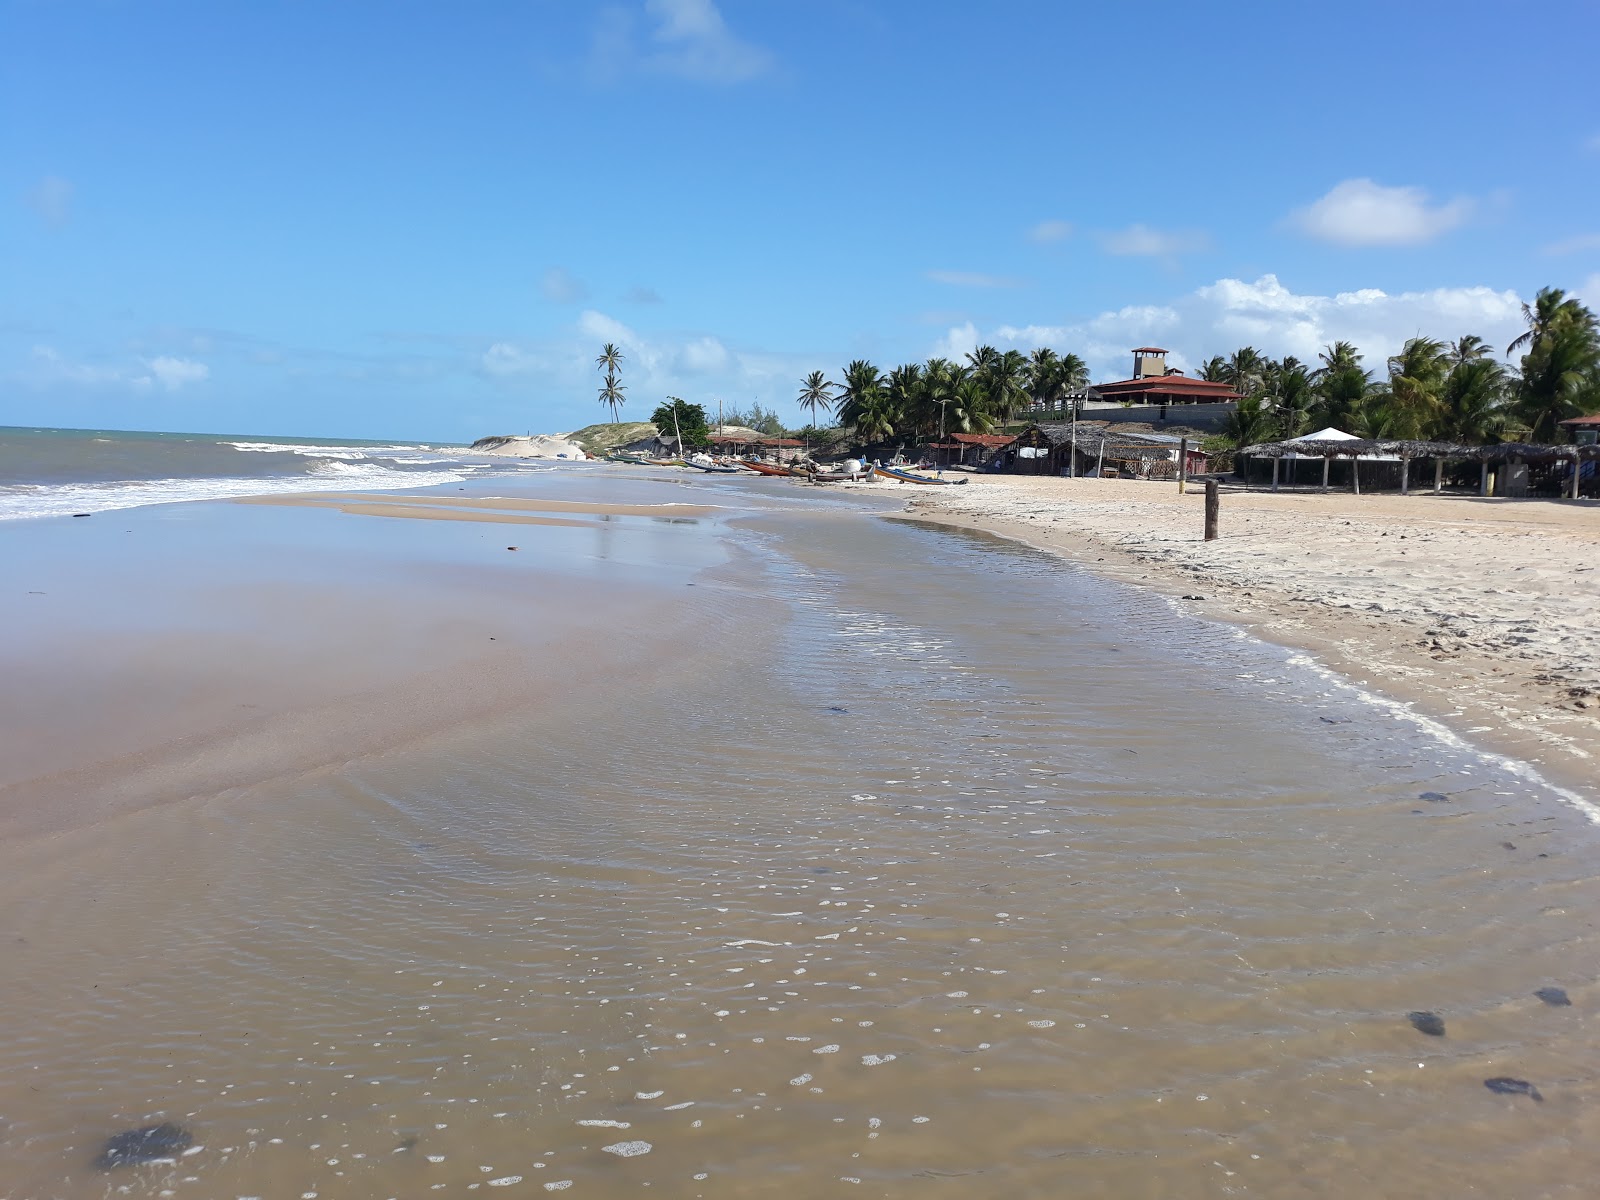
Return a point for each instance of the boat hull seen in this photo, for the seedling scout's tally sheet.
(909, 477)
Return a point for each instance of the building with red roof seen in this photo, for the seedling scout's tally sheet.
(1154, 382)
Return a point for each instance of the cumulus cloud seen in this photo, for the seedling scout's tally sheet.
(1050, 231)
(562, 286)
(1143, 242)
(1574, 245)
(685, 39)
(51, 199)
(1227, 314)
(1360, 212)
(973, 279)
(703, 355)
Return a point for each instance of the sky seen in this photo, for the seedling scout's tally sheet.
(422, 220)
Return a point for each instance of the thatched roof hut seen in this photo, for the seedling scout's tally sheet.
(1359, 450)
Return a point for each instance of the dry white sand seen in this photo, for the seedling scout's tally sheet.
(540, 445)
(1484, 612)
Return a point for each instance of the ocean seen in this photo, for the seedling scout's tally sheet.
(48, 472)
(619, 831)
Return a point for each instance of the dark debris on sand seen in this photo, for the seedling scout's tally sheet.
(1504, 1085)
(1430, 1023)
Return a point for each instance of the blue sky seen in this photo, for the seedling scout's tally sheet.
(422, 220)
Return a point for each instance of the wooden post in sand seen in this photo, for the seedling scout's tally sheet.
(1483, 478)
(1577, 470)
(1213, 508)
(1405, 475)
(1355, 474)
(1275, 463)
(1183, 465)
(1100, 462)
(1438, 476)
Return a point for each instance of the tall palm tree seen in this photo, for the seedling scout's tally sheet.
(1074, 372)
(1046, 382)
(817, 392)
(1242, 372)
(1295, 401)
(1248, 423)
(611, 394)
(1004, 379)
(1416, 378)
(1215, 370)
(1549, 307)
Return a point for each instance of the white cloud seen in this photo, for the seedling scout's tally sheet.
(50, 368)
(1230, 313)
(560, 285)
(51, 198)
(174, 373)
(1575, 245)
(606, 329)
(973, 279)
(1142, 241)
(1051, 231)
(1360, 212)
(956, 344)
(703, 355)
(688, 39)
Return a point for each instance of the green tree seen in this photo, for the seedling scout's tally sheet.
(1242, 372)
(1248, 423)
(1215, 370)
(677, 415)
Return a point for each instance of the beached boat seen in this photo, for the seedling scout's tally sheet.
(701, 463)
(912, 477)
(761, 468)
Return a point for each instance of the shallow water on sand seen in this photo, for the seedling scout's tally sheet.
(933, 868)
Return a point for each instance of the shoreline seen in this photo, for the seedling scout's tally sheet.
(1513, 687)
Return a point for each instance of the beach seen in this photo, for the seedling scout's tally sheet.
(608, 827)
(1480, 611)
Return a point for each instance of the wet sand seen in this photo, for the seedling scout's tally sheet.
(887, 859)
(1480, 611)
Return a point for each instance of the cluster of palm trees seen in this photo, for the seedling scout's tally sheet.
(1432, 390)
(923, 400)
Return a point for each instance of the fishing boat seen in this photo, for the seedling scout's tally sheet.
(761, 468)
(851, 471)
(701, 462)
(912, 477)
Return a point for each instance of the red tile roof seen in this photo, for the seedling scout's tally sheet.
(1175, 385)
(1594, 419)
(1148, 350)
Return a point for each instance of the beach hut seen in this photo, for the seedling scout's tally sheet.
(1090, 448)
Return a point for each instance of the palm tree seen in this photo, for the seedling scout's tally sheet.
(1549, 307)
(1074, 372)
(1242, 371)
(817, 392)
(1215, 370)
(1560, 375)
(1247, 424)
(1474, 399)
(863, 385)
(1046, 383)
(1003, 378)
(1467, 348)
(1416, 377)
(1296, 400)
(611, 393)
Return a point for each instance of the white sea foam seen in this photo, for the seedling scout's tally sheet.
(20, 501)
(628, 1149)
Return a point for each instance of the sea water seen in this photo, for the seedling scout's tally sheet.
(922, 864)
